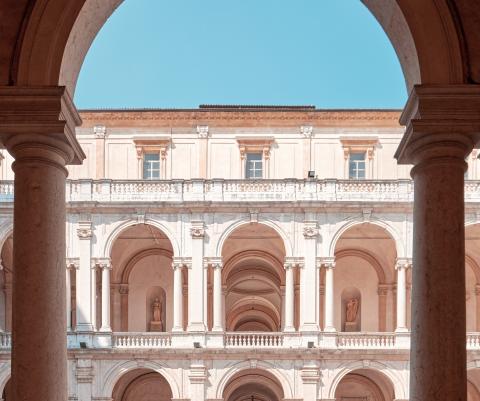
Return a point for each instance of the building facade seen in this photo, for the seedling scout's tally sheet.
(240, 253)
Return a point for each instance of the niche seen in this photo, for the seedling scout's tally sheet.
(351, 309)
(156, 309)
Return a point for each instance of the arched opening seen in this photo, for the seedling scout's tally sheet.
(365, 256)
(472, 276)
(142, 385)
(365, 385)
(7, 391)
(253, 384)
(473, 385)
(6, 277)
(142, 280)
(253, 279)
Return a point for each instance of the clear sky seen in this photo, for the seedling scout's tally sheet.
(182, 53)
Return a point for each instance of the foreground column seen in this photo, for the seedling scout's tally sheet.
(401, 296)
(42, 145)
(441, 122)
(217, 296)
(177, 296)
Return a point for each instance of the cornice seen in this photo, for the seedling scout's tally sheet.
(194, 118)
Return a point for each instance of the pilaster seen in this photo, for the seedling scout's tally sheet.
(85, 280)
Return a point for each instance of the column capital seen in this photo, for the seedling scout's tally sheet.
(39, 115)
(197, 229)
(403, 263)
(102, 263)
(73, 263)
(123, 289)
(84, 230)
(382, 289)
(202, 131)
(292, 262)
(100, 131)
(181, 262)
(307, 131)
(214, 263)
(441, 122)
(326, 262)
(310, 229)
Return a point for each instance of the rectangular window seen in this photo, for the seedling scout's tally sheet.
(151, 166)
(254, 166)
(356, 166)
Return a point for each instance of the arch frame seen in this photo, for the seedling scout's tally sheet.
(238, 367)
(116, 372)
(122, 226)
(400, 388)
(368, 257)
(130, 265)
(352, 222)
(287, 245)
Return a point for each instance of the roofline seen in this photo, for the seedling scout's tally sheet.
(237, 109)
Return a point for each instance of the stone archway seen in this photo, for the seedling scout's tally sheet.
(253, 277)
(141, 259)
(142, 385)
(364, 385)
(253, 384)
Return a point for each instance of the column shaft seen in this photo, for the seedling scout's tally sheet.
(39, 352)
(401, 298)
(177, 298)
(217, 298)
(438, 353)
(106, 326)
(68, 282)
(289, 297)
(196, 281)
(329, 298)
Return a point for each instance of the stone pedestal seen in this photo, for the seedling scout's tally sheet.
(156, 326)
(351, 327)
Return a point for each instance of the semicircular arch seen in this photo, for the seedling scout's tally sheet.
(287, 245)
(395, 379)
(120, 227)
(394, 234)
(118, 371)
(261, 365)
(369, 258)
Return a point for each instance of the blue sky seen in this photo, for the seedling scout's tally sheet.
(182, 53)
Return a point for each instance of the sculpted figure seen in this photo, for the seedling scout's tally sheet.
(157, 310)
(352, 310)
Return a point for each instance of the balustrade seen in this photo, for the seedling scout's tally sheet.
(142, 340)
(253, 340)
(366, 340)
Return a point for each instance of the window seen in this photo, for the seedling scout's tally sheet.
(151, 166)
(356, 166)
(254, 166)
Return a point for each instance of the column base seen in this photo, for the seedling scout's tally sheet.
(105, 329)
(177, 329)
(196, 328)
(329, 329)
(218, 330)
(401, 330)
(309, 327)
(85, 328)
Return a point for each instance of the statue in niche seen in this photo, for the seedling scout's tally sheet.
(352, 310)
(156, 324)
